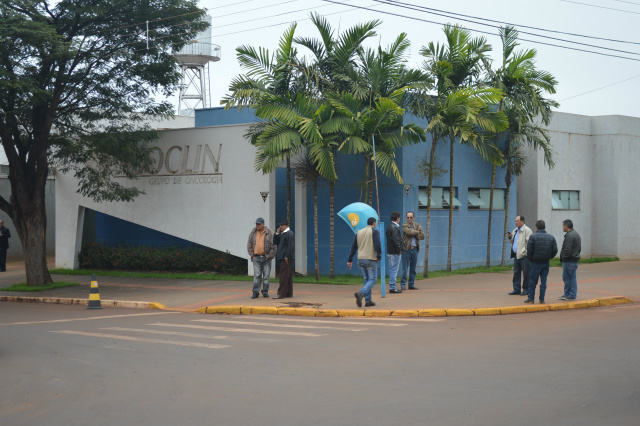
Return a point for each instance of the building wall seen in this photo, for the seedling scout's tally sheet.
(597, 156)
(207, 206)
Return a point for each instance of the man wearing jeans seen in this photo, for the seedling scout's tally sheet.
(412, 233)
(519, 239)
(367, 244)
(261, 250)
(542, 247)
(570, 257)
(394, 250)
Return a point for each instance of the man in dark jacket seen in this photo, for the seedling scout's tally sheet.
(4, 245)
(285, 242)
(541, 248)
(393, 235)
(570, 257)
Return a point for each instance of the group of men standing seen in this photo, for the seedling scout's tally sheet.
(533, 251)
(403, 246)
(263, 246)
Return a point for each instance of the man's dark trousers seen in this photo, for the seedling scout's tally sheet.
(538, 270)
(286, 279)
(521, 267)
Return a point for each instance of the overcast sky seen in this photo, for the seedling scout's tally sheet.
(589, 83)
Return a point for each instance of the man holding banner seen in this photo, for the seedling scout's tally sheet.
(367, 244)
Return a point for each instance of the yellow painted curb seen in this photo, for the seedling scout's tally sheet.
(266, 310)
(459, 312)
(593, 303)
(326, 313)
(578, 305)
(537, 308)
(154, 305)
(302, 312)
(558, 306)
(405, 313)
(229, 310)
(432, 313)
(377, 313)
(614, 301)
(350, 312)
(487, 311)
(513, 310)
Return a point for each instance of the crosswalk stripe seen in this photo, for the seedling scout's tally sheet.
(142, 339)
(90, 318)
(239, 330)
(265, 324)
(298, 319)
(195, 335)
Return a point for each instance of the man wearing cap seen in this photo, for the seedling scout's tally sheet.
(261, 250)
(284, 239)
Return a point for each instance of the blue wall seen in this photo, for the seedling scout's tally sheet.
(218, 116)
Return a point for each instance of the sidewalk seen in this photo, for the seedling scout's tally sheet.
(477, 294)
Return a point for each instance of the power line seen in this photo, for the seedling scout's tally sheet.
(447, 15)
(600, 88)
(600, 7)
(492, 34)
(518, 25)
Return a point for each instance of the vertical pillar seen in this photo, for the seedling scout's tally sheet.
(300, 212)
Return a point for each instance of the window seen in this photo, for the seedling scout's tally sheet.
(565, 200)
(439, 198)
(479, 198)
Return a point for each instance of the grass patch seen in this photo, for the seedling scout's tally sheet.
(308, 279)
(24, 287)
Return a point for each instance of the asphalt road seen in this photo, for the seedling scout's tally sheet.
(66, 365)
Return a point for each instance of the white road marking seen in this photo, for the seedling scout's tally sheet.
(142, 339)
(239, 330)
(298, 319)
(89, 318)
(183, 334)
(266, 324)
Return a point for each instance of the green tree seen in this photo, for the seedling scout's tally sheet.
(524, 87)
(268, 77)
(456, 67)
(76, 81)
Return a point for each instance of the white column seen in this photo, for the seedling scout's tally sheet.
(300, 213)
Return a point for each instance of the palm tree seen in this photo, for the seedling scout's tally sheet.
(463, 116)
(455, 65)
(267, 77)
(523, 86)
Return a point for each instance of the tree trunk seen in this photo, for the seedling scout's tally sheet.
(288, 187)
(493, 184)
(28, 213)
(432, 160)
(315, 227)
(506, 217)
(332, 188)
(450, 203)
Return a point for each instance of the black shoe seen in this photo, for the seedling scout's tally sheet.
(542, 302)
(414, 288)
(358, 299)
(395, 291)
(265, 295)
(254, 296)
(528, 301)
(514, 293)
(372, 303)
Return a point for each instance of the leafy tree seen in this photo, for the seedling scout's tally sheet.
(76, 79)
(524, 87)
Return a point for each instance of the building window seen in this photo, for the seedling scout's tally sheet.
(565, 200)
(439, 198)
(479, 198)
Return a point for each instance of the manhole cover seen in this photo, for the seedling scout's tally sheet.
(302, 305)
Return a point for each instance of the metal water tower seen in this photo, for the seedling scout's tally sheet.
(194, 59)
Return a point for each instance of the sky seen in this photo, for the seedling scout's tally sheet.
(589, 81)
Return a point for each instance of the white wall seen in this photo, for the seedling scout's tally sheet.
(599, 157)
(215, 208)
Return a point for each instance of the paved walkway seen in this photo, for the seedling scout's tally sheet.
(477, 294)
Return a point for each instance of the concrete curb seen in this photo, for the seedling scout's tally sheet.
(273, 310)
(71, 301)
(507, 310)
